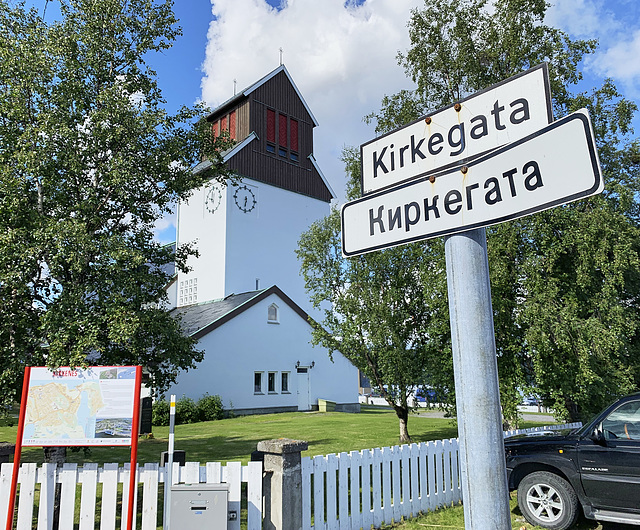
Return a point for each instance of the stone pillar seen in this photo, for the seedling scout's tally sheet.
(282, 483)
(6, 452)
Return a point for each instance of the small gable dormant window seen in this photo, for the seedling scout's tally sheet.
(273, 316)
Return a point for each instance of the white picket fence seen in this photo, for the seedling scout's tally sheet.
(372, 487)
(362, 488)
(109, 485)
(514, 432)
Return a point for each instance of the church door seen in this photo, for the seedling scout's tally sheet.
(303, 389)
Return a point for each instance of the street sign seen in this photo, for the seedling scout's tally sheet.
(501, 114)
(555, 165)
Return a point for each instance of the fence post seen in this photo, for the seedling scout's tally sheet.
(282, 483)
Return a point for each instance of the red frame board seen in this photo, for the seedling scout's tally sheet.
(94, 406)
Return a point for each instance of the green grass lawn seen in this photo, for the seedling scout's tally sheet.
(453, 519)
(234, 439)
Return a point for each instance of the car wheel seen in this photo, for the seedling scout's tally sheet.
(547, 500)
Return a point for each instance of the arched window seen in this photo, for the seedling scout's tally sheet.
(272, 314)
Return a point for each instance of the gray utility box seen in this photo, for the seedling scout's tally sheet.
(199, 506)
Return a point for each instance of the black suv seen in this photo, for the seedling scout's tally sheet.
(596, 467)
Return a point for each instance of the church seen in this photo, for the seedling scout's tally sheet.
(244, 299)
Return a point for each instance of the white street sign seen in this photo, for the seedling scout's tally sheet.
(555, 165)
(501, 114)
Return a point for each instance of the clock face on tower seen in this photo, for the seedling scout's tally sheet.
(212, 198)
(245, 199)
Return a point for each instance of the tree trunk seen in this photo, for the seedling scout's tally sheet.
(572, 409)
(403, 416)
(55, 455)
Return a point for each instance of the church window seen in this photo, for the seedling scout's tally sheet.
(224, 123)
(257, 382)
(188, 292)
(216, 129)
(282, 131)
(284, 386)
(271, 382)
(272, 314)
(232, 125)
(271, 125)
(271, 131)
(282, 136)
(293, 133)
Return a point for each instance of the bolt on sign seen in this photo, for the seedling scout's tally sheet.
(503, 113)
(553, 166)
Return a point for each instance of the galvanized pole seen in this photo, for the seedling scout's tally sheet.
(168, 481)
(482, 463)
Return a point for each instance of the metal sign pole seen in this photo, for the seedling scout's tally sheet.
(169, 469)
(133, 468)
(18, 449)
(486, 496)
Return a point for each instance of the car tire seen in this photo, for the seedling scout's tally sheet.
(547, 500)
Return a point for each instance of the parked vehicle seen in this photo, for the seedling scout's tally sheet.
(595, 469)
(530, 401)
(426, 395)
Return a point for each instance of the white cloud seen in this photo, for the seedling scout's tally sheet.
(584, 19)
(621, 61)
(614, 23)
(343, 60)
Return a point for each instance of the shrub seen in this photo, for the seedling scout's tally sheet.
(210, 408)
(186, 410)
(160, 412)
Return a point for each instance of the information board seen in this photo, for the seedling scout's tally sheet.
(92, 406)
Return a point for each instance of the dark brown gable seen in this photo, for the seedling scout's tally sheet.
(274, 110)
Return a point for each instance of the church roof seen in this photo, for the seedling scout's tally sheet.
(244, 93)
(197, 320)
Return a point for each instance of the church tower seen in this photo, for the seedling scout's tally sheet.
(247, 233)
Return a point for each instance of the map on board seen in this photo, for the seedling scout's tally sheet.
(67, 406)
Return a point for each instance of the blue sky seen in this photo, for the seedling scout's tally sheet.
(342, 57)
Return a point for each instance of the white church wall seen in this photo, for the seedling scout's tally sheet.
(202, 221)
(248, 344)
(261, 244)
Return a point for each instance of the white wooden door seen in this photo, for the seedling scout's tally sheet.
(303, 388)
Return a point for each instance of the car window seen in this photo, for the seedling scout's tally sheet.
(623, 422)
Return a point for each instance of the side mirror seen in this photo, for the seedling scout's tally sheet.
(597, 436)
